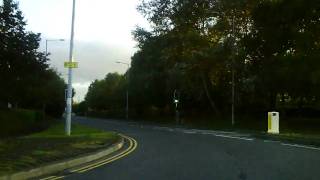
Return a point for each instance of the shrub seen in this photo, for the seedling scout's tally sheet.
(21, 121)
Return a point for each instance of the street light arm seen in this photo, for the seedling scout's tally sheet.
(55, 40)
(124, 63)
(50, 40)
(120, 62)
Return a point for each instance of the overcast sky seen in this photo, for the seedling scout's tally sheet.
(102, 35)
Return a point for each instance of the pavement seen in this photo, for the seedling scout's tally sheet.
(181, 154)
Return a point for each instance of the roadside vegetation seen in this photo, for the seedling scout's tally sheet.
(51, 145)
(31, 92)
(194, 46)
(17, 122)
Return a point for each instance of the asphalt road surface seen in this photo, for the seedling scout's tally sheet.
(181, 154)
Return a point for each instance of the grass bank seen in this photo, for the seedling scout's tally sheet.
(51, 145)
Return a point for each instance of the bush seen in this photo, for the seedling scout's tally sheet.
(20, 121)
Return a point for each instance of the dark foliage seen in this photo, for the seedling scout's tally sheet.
(25, 77)
(272, 46)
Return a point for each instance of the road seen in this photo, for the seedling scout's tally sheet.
(180, 154)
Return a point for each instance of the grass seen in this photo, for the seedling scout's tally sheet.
(57, 131)
(51, 145)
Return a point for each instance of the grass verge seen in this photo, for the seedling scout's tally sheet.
(300, 131)
(37, 149)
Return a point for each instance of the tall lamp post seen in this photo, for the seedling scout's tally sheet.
(50, 40)
(69, 90)
(127, 93)
(233, 80)
(46, 55)
(232, 70)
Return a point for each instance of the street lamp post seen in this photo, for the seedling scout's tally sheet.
(69, 90)
(127, 93)
(232, 71)
(233, 83)
(46, 55)
(50, 40)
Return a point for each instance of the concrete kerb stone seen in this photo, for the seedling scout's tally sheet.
(64, 164)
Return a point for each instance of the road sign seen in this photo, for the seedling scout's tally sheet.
(71, 64)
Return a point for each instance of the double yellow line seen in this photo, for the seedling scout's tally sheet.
(132, 146)
(53, 178)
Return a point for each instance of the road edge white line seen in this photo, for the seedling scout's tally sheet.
(232, 137)
(301, 146)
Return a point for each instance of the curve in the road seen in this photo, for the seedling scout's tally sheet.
(132, 146)
(173, 153)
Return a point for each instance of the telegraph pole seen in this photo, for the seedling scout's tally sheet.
(69, 90)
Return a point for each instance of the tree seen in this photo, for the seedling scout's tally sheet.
(107, 94)
(18, 54)
(283, 48)
(26, 79)
(193, 47)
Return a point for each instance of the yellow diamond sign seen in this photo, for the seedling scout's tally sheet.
(71, 64)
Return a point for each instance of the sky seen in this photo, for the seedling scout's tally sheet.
(102, 35)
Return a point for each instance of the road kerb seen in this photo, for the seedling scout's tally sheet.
(65, 164)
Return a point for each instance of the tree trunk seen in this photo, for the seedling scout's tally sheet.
(205, 87)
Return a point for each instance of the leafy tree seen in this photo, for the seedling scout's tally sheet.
(18, 54)
(193, 47)
(25, 78)
(107, 94)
